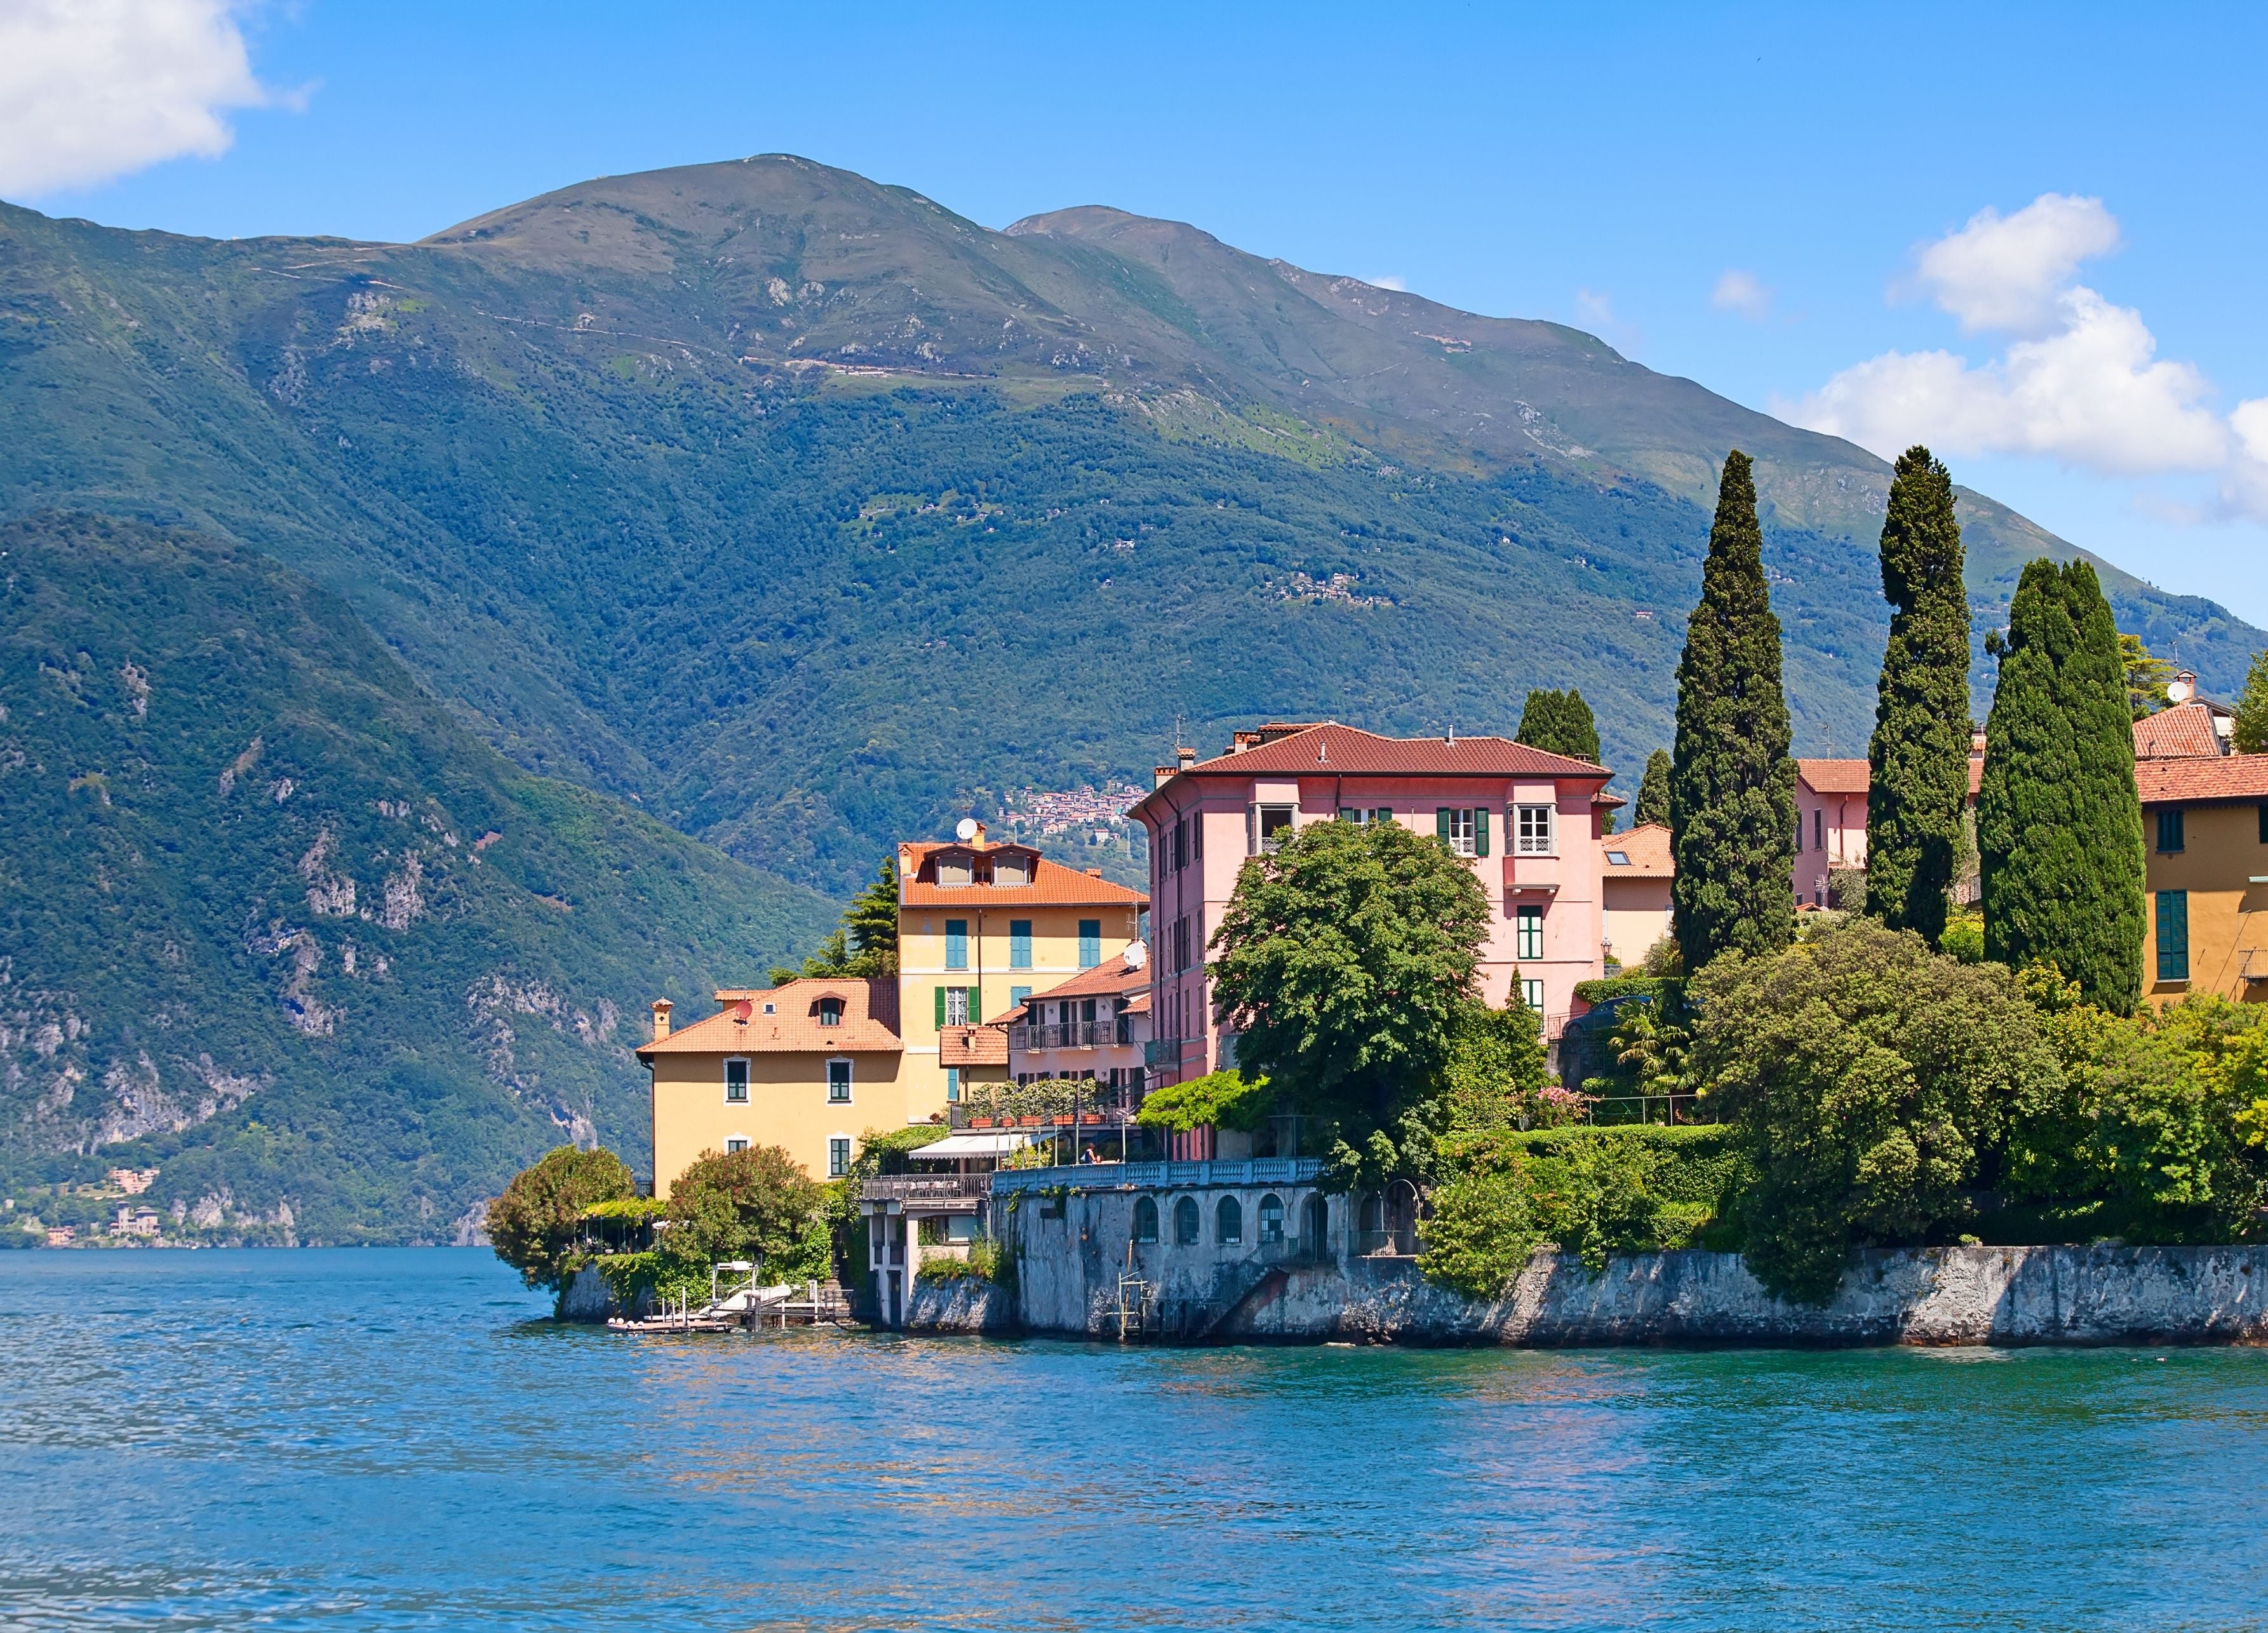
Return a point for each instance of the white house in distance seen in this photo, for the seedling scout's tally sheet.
(1529, 821)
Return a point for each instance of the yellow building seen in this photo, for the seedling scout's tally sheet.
(808, 1067)
(2204, 828)
(981, 928)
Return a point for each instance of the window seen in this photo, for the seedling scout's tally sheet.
(1228, 1222)
(1145, 1218)
(736, 1082)
(1531, 993)
(1528, 933)
(1181, 844)
(1274, 823)
(2173, 935)
(1316, 1222)
(838, 1157)
(838, 1082)
(1532, 831)
(1818, 829)
(772, 1009)
(1185, 1222)
(735, 1142)
(953, 870)
(1020, 944)
(830, 1011)
(1618, 858)
(1363, 816)
(1017, 996)
(1197, 836)
(1454, 828)
(1090, 943)
(1011, 870)
(2263, 825)
(1271, 1220)
(2170, 830)
(954, 1005)
(952, 1085)
(1180, 943)
(956, 944)
(930, 1231)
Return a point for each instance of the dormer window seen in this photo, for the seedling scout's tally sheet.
(1011, 870)
(772, 1009)
(953, 869)
(830, 1011)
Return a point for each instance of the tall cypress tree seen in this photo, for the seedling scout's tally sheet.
(2058, 824)
(1560, 722)
(1919, 760)
(1653, 790)
(1732, 789)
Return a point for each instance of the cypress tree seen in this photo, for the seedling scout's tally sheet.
(1732, 788)
(1560, 722)
(2058, 824)
(1653, 790)
(1918, 763)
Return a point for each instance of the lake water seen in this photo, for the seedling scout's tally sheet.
(396, 1439)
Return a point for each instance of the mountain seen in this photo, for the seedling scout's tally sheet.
(275, 922)
(810, 514)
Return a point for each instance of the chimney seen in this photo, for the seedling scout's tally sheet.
(1095, 872)
(660, 1019)
(1161, 775)
(1977, 742)
(1184, 758)
(979, 840)
(2183, 688)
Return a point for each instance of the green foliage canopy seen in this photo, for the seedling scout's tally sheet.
(1653, 790)
(1560, 722)
(2251, 737)
(1223, 1099)
(536, 1221)
(1732, 793)
(756, 1205)
(1918, 756)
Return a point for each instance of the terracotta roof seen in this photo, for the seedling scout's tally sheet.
(1976, 775)
(869, 1021)
(1647, 847)
(2184, 781)
(1139, 1003)
(2183, 731)
(1053, 884)
(1113, 976)
(1834, 777)
(1329, 749)
(972, 1046)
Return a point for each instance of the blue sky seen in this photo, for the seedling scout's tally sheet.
(1748, 197)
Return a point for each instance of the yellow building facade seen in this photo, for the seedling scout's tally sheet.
(2205, 831)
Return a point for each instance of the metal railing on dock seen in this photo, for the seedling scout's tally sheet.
(1251, 1171)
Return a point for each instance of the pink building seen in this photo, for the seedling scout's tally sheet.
(1529, 821)
(1831, 824)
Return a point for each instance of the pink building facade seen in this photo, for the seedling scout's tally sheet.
(1528, 822)
(1831, 825)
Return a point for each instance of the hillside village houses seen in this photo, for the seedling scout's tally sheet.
(2204, 836)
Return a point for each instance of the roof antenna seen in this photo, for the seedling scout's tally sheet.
(1453, 732)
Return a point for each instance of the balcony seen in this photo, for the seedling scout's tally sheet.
(1070, 1034)
(938, 1190)
(1162, 1052)
(1250, 1172)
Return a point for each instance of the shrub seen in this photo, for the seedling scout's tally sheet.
(1867, 1077)
(1225, 1100)
(1620, 987)
(757, 1204)
(988, 1262)
(1964, 938)
(537, 1222)
(1481, 1230)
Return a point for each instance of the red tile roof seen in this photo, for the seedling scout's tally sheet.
(2200, 781)
(972, 1046)
(1329, 749)
(869, 1021)
(1647, 847)
(2183, 731)
(1053, 884)
(1112, 976)
(1834, 777)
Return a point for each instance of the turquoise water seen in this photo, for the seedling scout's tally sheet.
(395, 1439)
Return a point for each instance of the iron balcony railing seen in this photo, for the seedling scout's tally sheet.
(1248, 1173)
(1070, 1034)
(1162, 1052)
(941, 1188)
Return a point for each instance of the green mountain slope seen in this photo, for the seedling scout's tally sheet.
(273, 920)
(812, 515)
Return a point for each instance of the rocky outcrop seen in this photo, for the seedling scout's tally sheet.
(961, 1307)
(588, 1298)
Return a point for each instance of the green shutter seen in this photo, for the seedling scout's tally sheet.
(1442, 824)
(941, 1007)
(1480, 832)
(975, 1007)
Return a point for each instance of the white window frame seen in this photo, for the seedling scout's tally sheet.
(1522, 917)
(1531, 991)
(843, 1061)
(1264, 841)
(958, 996)
(748, 1077)
(735, 1142)
(1464, 831)
(1534, 830)
(850, 1154)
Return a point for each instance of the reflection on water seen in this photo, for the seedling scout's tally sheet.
(390, 1439)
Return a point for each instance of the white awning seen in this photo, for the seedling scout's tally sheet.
(974, 1145)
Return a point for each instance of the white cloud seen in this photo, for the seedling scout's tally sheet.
(1743, 292)
(2079, 381)
(94, 88)
(1394, 281)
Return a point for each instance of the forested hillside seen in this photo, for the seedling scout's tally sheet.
(272, 920)
(812, 515)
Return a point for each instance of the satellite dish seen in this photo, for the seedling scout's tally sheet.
(1136, 955)
(967, 830)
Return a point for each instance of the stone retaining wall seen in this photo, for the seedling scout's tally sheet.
(588, 1298)
(961, 1307)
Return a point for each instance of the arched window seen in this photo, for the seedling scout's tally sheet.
(1373, 1213)
(1185, 1222)
(1315, 1229)
(830, 1011)
(1228, 1222)
(1272, 1219)
(1145, 1218)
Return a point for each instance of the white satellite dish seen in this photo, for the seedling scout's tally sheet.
(967, 830)
(1136, 955)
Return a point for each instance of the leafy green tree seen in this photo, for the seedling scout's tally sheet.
(756, 1205)
(1344, 956)
(2059, 825)
(1918, 784)
(1560, 722)
(1867, 1079)
(1653, 790)
(2252, 708)
(865, 943)
(1732, 793)
(2146, 676)
(1221, 1100)
(535, 1222)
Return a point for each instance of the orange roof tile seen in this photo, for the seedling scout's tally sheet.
(1053, 884)
(869, 1026)
(2183, 731)
(1834, 777)
(2199, 780)
(1647, 847)
(972, 1046)
(1113, 976)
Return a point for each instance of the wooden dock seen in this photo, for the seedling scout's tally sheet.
(745, 1309)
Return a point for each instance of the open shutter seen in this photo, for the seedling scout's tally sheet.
(1442, 824)
(1480, 831)
(941, 1007)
